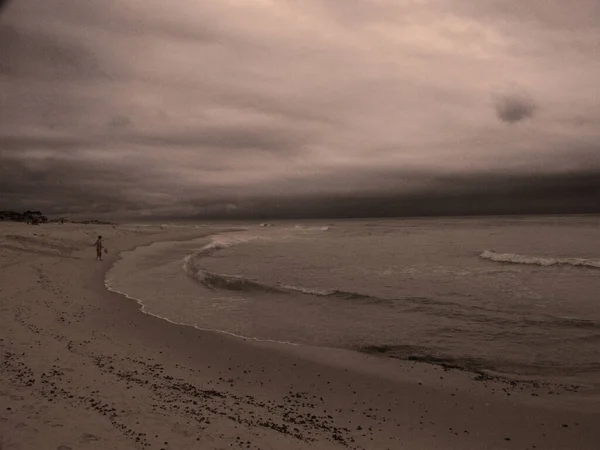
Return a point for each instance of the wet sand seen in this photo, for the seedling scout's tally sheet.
(83, 368)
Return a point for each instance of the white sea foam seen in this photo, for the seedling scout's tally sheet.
(311, 228)
(218, 242)
(539, 260)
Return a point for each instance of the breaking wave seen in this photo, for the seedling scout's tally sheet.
(213, 280)
(539, 260)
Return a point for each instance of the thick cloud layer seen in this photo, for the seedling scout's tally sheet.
(125, 108)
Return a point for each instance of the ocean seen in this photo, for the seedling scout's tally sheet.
(516, 297)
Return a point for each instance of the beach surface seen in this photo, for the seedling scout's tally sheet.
(83, 368)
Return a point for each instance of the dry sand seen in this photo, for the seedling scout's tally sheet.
(83, 368)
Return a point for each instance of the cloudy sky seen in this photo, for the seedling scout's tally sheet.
(140, 108)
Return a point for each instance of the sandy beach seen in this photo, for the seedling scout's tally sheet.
(83, 368)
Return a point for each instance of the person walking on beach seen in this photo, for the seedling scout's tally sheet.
(99, 247)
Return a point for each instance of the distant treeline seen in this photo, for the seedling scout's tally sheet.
(32, 217)
(36, 218)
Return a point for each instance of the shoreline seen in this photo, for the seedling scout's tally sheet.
(142, 306)
(84, 369)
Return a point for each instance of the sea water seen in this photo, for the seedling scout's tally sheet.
(514, 296)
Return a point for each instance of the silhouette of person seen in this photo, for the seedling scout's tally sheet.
(99, 247)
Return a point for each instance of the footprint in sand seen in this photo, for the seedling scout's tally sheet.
(88, 437)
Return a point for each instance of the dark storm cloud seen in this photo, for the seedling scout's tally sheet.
(514, 107)
(551, 14)
(161, 107)
(230, 138)
(16, 144)
(25, 53)
(494, 194)
(123, 188)
(64, 186)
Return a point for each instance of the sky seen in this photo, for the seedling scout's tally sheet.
(260, 108)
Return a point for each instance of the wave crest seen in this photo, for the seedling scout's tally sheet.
(539, 260)
(213, 280)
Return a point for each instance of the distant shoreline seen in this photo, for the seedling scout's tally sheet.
(199, 221)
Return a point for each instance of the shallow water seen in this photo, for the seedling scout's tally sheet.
(515, 296)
